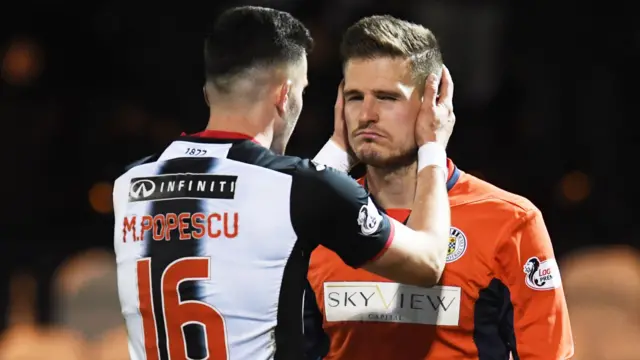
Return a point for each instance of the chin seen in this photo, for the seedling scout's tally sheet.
(381, 158)
(371, 156)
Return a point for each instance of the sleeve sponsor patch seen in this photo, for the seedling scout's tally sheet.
(369, 218)
(542, 275)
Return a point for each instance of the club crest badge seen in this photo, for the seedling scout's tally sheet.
(457, 244)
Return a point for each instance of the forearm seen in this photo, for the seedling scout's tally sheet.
(431, 214)
(334, 156)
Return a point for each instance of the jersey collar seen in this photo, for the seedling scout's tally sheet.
(454, 174)
(402, 215)
(221, 135)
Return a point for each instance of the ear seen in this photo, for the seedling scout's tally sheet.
(283, 97)
(206, 96)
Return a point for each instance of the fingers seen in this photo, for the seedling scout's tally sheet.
(446, 88)
(340, 97)
(430, 91)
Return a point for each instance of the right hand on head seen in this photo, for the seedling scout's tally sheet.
(436, 117)
(339, 135)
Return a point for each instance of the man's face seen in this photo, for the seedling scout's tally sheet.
(283, 128)
(381, 106)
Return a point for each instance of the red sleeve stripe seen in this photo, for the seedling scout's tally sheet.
(392, 232)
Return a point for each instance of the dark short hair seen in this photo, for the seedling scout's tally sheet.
(245, 37)
(386, 36)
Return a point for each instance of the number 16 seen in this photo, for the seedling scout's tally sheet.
(178, 313)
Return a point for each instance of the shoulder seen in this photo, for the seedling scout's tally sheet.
(506, 221)
(257, 155)
(493, 201)
(311, 175)
(136, 166)
(145, 160)
(122, 183)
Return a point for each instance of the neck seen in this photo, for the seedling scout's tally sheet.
(253, 122)
(393, 188)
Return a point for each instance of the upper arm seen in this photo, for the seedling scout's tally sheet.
(332, 209)
(528, 266)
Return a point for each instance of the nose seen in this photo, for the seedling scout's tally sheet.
(369, 110)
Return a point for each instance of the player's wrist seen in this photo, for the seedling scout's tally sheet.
(433, 154)
(333, 155)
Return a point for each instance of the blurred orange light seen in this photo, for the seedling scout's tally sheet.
(575, 186)
(22, 62)
(100, 197)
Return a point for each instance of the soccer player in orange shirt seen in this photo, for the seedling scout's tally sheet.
(500, 294)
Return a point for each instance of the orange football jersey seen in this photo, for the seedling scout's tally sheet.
(500, 294)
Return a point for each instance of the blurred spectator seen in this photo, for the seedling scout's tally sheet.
(603, 293)
(86, 294)
(24, 339)
(111, 346)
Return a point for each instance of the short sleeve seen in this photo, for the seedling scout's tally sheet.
(527, 265)
(329, 208)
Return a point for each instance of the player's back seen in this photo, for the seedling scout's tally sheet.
(209, 264)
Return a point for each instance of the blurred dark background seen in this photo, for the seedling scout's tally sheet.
(545, 100)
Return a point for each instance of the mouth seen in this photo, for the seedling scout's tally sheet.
(369, 135)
